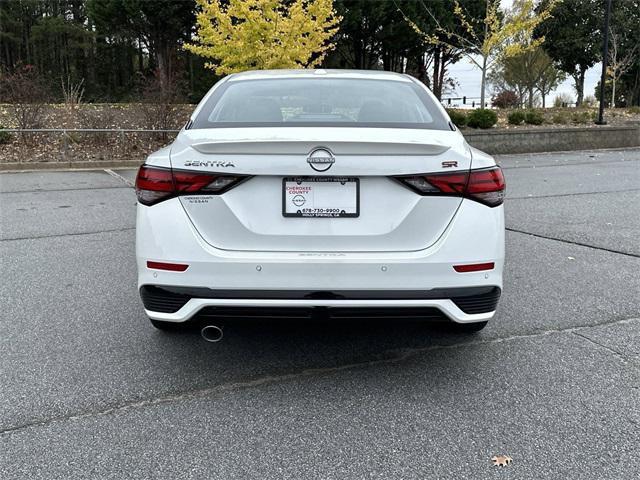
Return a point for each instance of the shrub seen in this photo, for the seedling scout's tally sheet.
(159, 107)
(26, 93)
(582, 117)
(5, 137)
(516, 117)
(589, 101)
(482, 118)
(72, 94)
(534, 117)
(458, 118)
(560, 118)
(506, 99)
(633, 110)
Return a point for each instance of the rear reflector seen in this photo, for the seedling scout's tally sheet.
(155, 184)
(474, 267)
(485, 185)
(172, 267)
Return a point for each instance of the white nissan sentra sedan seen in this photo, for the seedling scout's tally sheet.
(293, 193)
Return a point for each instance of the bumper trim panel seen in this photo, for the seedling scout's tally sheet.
(179, 304)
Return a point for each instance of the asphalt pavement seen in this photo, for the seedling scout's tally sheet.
(89, 389)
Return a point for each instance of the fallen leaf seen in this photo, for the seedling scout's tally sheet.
(501, 460)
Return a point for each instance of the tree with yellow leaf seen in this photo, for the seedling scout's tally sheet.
(239, 35)
(499, 34)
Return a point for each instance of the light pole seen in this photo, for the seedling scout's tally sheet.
(605, 53)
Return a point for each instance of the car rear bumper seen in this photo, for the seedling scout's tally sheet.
(165, 234)
(179, 304)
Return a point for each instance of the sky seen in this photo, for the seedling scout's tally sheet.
(469, 77)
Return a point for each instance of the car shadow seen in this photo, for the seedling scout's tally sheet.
(250, 345)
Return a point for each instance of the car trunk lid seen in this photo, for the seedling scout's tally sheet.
(250, 216)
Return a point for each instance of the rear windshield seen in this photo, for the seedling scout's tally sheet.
(320, 102)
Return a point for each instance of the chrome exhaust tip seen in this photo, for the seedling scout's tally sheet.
(212, 333)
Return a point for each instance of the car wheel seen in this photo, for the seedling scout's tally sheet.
(468, 327)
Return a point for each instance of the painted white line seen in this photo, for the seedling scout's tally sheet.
(119, 177)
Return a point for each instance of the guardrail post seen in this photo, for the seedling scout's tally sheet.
(121, 143)
(65, 145)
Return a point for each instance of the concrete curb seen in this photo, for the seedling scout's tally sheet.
(537, 140)
(83, 165)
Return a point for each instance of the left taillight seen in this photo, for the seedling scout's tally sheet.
(484, 185)
(155, 184)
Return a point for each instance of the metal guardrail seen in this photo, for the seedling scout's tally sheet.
(18, 130)
(64, 130)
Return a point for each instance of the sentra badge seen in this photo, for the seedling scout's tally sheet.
(209, 163)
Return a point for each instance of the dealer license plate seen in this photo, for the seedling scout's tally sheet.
(321, 197)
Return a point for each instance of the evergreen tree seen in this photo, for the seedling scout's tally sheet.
(573, 38)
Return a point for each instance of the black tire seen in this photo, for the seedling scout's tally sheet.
(169, 326)
(468, 328)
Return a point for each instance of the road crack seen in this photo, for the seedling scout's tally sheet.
(571, 242)
(125, 229)
(560, 195)
(602, 345)
(58, 190)
(387, 358)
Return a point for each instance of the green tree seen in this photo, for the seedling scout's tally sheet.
(527, 72)
(160, 27)
(550, 78)
(49, 34)
(375, 35)
(573, 38)
(12, 25)
(358, 40)
(626, 20)
(505, 78)
(401, 49)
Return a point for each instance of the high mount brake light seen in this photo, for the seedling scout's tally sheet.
(155, 184)
(485, 185)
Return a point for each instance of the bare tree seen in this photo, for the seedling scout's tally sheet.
(72, 94)
(160, 106)
(26, 96)
(619, 63)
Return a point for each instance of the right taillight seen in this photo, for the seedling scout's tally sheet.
(485, 185)
(155, 184)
